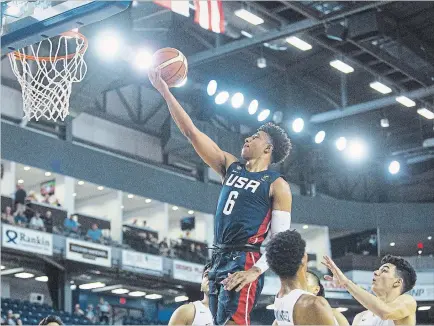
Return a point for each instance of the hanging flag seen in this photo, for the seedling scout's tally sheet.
(178, 6)
(209, 15)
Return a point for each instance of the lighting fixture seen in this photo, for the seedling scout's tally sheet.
(298, 43)
(249, 17)
(406, 101)
(380, 87)
(341, 66)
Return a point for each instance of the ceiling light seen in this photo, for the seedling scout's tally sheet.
(429, 238)
(147, 200)
(270, 307)
(26, 168)
(120, 291)
(143, 59)
(423, 308)
(263, 115)
(249, 17)
(211, 89)
(394, 167)
(175, 208)
(320, 136)
(100, 188)
(153, 296)
(419, 252)
(379, 87)
(261, 63)
(357, 150)
(305, 227)
(137, 294)
(74, 194)
(341, 66)
(341, 309)
(20, 181)
(298, 125)
(298, 43)
(89, 286)
(41, 278)
(3, 267)
(392, 244)
(181, 298)
(24, 275)
(246, 34)
(221, 98)
(73, 287)
(108, 44)
(384, 123)
(81, 182)
(426, 113)
(341, 143)
(237, 100)
(191, 212)
(47, 174)
(406, 101)
(130, 196)
(253, 107)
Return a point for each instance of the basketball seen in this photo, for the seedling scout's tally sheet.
(173, 65)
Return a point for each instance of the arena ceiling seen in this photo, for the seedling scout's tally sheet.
(389, 41)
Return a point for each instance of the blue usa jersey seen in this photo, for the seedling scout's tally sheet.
(244, 207)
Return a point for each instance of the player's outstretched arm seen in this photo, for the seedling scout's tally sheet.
(313, 311)
(205, 147)
(184, 315)
(341, 319)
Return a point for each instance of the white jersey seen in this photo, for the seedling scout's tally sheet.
(368, 318)
(202, 315)
(284, 307)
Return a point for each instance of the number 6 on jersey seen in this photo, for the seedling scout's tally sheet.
(230, 203)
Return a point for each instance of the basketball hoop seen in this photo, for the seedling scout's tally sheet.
(46, 81)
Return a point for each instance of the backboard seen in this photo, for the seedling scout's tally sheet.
(28, 22)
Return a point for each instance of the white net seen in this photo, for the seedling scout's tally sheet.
(46, 81)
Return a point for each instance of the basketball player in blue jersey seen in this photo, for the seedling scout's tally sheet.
(254, 203)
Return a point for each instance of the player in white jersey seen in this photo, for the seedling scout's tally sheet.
(314, 286)
(195, 313)
(294, 305)
(390, 305)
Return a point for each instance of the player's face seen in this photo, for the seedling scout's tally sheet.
(204, 286)
(312, 286)
(256, 145)
(385, 279)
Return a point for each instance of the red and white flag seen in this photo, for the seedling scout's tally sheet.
(178, 6)
(209, 14)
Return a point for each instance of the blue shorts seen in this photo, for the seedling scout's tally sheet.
(231, 305)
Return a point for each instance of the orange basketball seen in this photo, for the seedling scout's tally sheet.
(173, 65)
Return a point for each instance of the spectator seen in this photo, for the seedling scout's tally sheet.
(90, 314)
(46, 199)
(51, 321)
(37, 223)
(70, 225)
(104, 311)
(48, 221)
(10, 318)
(77, 311)
(94, 234)
(7, 216)
(19, 216)
(32, 196)
(20, 195)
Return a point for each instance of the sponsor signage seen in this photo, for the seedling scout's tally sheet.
(27, 240)
(138, 261)
(186, 271)
(88, 252)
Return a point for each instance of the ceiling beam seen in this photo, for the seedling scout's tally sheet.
(368, 106)
(306, 24)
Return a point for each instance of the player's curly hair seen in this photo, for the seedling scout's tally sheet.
(403, 269)
(285, 252)
(280, 140)
(51, 319)
(321, 292)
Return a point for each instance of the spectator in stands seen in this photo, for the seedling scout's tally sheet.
(11, 319)
(32, 196)
(20, 196)
(104, 310)
(48, 221)
(90, 314)
(164, 247)
(70, 225)
(77, 310)
(51, 321)
(19, 216)
(37, 223)
(94, 234)
(46, 199)
(7, 216)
